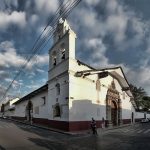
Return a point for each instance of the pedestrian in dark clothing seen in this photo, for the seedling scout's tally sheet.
(103, 123)
(93, 126)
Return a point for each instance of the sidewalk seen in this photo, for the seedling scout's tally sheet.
(85, 132)
(40, 126)
(101, 130)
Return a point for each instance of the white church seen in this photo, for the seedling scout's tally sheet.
(76, 92)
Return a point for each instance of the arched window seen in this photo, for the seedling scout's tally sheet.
(56, 110)
(132, 117)
(54, 58)
(54, 61)
(63, 54)
(63, 51)
(57, 89)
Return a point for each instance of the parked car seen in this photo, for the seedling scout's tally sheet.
(4, 117)
(144, 120)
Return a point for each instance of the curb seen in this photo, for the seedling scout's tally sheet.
(117, 127)
(41, 127)
(70, 133)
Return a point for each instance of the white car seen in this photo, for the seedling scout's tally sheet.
(4, 117)
(144, 120)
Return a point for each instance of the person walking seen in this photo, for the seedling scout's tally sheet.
(103, 123)
(93, 126)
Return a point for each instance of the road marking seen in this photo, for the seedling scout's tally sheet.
(22, 126)
(148, 130)
(140, 131)
(126, 130)
(7, 126)
(135, 130)
(132, 130)
(25, 126)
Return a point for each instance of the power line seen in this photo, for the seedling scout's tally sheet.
(65, 14)
(50, 32)
(53, 21)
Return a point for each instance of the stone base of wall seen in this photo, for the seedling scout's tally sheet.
(72, 125)
(138, 119)
(61, 125)
(19, 118)
(83, 125)
(126, 121)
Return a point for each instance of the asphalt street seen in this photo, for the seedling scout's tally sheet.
(16, 136)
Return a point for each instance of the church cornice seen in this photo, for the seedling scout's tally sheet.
(58, 76)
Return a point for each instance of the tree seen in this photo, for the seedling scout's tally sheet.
(146, 103)
(138, 94)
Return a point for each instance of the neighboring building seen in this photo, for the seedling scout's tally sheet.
(33, 106)
(9, 107)
(76, 92)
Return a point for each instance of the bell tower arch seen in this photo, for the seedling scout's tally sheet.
(64, 44)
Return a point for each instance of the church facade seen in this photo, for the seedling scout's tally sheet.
(76, 92)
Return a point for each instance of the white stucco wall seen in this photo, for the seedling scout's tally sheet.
(62, 98)
(139, 115)
(82, 102)
(20, 109)
(83, 105)
(37, 101)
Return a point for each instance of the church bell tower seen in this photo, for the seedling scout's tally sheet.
(61, 54)
(64, 44)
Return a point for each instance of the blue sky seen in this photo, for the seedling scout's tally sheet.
(110, 33)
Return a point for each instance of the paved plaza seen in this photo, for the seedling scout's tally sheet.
(17, 136)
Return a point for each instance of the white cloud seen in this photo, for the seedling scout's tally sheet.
(43, 59)
(97, 51)
(93, 2)
(3, 73)
(112, 6)
(10, 3)
(16, 18)
(116, 24)
(6, 5)
(47, 32)
(114, 21)
(116, 18)
(33, 86)
(10, 58)
(33, 19)
(40, 70)
(48, 6)
(39, 60)
(144, 76)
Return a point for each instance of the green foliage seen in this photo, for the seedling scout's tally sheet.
(140, 97)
